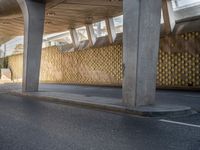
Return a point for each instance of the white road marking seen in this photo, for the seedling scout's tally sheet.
(180, 123)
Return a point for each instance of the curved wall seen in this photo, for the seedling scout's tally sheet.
(178, 64)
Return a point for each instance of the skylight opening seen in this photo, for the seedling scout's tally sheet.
(181, 4)
(118, 22)
(100, 29)
(82, 33)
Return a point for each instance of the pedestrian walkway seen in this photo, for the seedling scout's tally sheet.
(108, 97)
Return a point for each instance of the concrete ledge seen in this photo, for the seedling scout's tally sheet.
(145, 111)
(164, 110)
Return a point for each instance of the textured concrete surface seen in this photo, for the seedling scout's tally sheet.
(34, 16)
(108, 104)
(168, 97)
(141, 38)
(26, 124)
(108, 98)
(186, 98)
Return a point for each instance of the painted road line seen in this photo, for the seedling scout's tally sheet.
(180, 123)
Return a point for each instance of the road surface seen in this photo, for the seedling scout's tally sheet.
(29, 124)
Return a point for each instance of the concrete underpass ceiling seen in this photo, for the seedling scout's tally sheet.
(60, 15)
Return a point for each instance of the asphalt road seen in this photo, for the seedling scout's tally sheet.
(28, 124)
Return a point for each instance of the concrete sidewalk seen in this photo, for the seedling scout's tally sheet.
(109, 98)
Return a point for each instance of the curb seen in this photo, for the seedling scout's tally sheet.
(111, 108)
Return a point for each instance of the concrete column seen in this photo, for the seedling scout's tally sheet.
(74, 37)
(111, 29)
(4, 55)
(91, 35)
(140, 51)
(34, 13)
(168, 16)
(4, 52)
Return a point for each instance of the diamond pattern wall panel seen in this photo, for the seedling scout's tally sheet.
(178, 64)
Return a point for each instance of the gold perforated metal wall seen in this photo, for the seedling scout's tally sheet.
(178, 69)
(178, 64)
(179, 61)
(15, 63)
(95, 66)
(101, 66)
